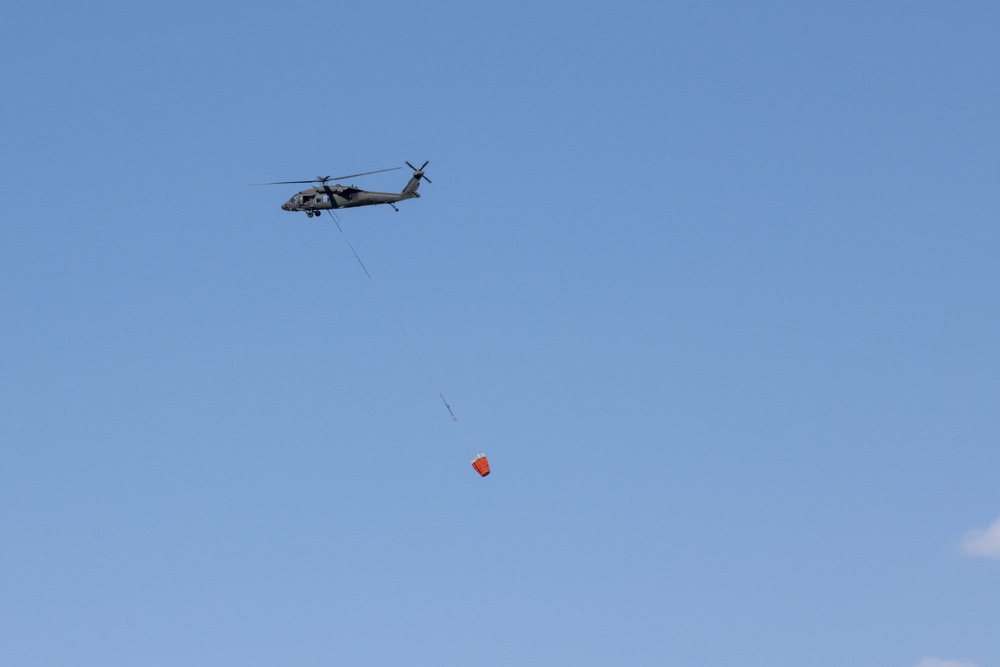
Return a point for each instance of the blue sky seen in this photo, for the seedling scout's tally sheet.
(713, 285)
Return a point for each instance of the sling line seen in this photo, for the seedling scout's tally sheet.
(392, 314)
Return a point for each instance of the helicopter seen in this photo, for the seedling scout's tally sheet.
(325, 196)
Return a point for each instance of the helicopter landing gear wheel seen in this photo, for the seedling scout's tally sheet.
(309, 214)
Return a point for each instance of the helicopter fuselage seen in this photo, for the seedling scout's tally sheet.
(326, 197)
(339, 196)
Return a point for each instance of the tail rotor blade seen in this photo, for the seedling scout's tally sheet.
(419, 173)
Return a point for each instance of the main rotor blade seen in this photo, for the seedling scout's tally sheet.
(282, 183)
(377, 171)
(324, 179)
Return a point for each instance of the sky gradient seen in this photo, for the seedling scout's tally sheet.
(714, 286)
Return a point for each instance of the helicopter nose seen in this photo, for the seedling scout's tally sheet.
(284, 207)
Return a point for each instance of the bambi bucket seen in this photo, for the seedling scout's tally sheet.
(481, 464)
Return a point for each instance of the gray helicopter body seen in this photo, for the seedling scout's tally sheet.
(328, 197)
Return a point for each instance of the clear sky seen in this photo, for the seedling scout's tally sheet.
(714, 285)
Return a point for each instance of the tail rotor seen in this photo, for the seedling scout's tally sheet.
(419, 173)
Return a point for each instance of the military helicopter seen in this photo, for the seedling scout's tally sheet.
(324, 197)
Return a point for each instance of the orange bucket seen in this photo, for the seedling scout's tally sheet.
(481, 464)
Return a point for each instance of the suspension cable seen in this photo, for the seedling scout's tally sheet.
(399, 325)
